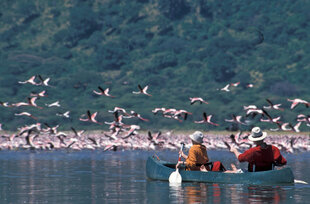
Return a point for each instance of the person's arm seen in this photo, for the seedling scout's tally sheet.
(235, 151)
(278, 158)
(180, 163)
(182, 154)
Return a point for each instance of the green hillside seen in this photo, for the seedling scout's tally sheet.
(179, 48)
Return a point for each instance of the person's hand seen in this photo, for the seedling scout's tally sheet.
(178, 164)
(232, 149)
(203, 168)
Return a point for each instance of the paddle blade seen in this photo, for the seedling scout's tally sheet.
(300, 181)
(175, 177)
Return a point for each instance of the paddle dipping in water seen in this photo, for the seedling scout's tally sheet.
(175, 177)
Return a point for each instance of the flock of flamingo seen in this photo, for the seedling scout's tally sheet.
(122, 136)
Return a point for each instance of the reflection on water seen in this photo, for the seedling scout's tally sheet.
(119, 177)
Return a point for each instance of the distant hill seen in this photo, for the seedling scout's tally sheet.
(179, 48)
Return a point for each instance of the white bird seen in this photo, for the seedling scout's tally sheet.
(30, 81)
(41, 94)
(66, 114)
(91, 118)
(273, 106)
(142, 90)
(226, 88)
(297, 101)
(103, 92)
(197, 99)
(44, 82)
(53, 104)
(77, 133)
(26, 114)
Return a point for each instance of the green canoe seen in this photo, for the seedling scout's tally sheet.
(161, 170)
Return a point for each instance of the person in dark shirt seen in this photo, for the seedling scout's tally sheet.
(263, 157)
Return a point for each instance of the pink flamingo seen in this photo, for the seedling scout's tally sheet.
(103, 92)
(142, 90)
(26, 114)
(30, 81)
(297, 101)
(206, 119)
(197, 99)
(273, 106)
(91, 118)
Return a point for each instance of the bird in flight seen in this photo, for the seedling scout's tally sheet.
(197, 99)
(103, 92)
(142, 90)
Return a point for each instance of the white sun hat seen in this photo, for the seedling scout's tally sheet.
(197, 136)
(257, 134)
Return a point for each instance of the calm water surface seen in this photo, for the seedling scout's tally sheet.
(119, 177)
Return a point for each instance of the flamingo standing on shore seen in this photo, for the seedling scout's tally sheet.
(142, 90)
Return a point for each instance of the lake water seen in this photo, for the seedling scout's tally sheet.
(119, 177)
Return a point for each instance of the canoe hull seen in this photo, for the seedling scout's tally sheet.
(161, 170)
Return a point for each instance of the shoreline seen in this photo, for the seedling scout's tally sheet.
(142, 140)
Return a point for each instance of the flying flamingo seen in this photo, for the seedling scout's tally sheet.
(31, 102)
(103, 92)
(5, 104)
(41, 94)
(131, 131)
(77, 133)
(30, 81)
(53, 104)
(44, 82)
(26, 114)
(225, 88)
(156, 110)
(235, 84)
(297, 101)
(235, 119)
(142, 90)
(133, 114)
(91, 118)
(206, 119)
(249, 107)
(273, 106)
(197, 99)
(66, 114)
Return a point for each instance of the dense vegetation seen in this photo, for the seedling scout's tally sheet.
(180, 48)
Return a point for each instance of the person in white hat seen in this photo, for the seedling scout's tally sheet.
(263, 157)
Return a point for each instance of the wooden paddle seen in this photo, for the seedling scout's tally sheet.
(175, 177)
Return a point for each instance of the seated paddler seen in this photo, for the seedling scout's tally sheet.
(197, 157)
(263, 157)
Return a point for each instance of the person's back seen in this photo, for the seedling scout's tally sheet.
(262, 159)
(197, 155)
(263, 156)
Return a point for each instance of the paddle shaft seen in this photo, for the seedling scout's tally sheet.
(180, 155)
